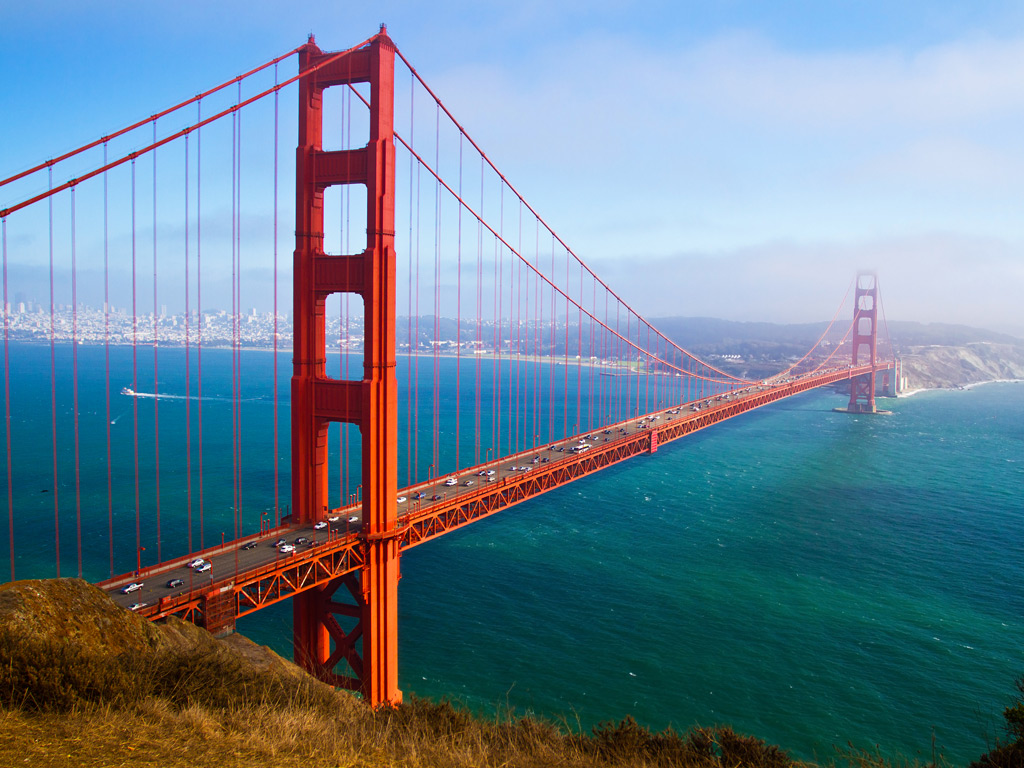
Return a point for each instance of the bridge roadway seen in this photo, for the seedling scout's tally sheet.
(251, 573)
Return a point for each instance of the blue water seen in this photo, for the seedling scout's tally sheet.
(808, 577)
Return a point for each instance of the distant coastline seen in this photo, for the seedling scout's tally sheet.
(961, 367)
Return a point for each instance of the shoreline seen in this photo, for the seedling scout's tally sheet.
(961, 388)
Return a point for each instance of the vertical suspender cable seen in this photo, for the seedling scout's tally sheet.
(74, 383)
(106, 360)
(411, 386)
(565, 383)
(199, 317)
(499, 293)
(479, 318)
(7, 402)
(538, 333)
(638, 367)
(277, 462)
(188, 366)
(647, 371)
(518, 315)
(53, 390)
(582, 406)
(551, 355)
(593, 361)
(238, 325)
(416, 326)
(458, 319)
(156, 369)
(135, 370)
(437, 293)
(234, 319)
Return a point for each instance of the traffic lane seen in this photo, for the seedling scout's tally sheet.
(228, 562)
(440, 491)
(241, 558)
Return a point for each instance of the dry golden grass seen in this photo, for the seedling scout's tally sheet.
(418, 735)
(123, 692)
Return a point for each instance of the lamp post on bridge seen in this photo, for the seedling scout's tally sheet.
(138, 566)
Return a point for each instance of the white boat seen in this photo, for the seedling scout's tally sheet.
(128, 391)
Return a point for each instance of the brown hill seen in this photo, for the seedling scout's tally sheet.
(942, 367)
(86, 683)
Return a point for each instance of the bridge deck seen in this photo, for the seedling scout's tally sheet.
(251, 573)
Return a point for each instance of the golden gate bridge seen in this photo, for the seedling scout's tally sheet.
(513, 370)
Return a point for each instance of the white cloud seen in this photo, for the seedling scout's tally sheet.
(935, 277)
(747, 178)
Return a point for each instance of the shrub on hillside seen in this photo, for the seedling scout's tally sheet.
(1008, 754)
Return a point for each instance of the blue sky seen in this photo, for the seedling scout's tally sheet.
(726, 158)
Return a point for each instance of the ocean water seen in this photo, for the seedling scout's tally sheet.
(808, 577)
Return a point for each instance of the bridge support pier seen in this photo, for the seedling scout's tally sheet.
(865, 339)
(372, 402)
(865, 345)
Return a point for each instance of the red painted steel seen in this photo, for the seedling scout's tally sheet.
(316, 574)
(865, 342)
(372, 402)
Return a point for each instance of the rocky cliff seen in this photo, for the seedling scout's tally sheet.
(941, 367)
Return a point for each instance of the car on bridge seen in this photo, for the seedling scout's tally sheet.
(127, 589)
(196, 563)
(320, 526)
(204, 568)
(175, 583)
(137, 606)
(451, 481)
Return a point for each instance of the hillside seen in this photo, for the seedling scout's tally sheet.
(86, 683)
(943, 367)
(934, 355)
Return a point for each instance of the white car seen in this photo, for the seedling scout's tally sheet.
(468, 483)
(196, 563)
(451, 481)
(127, 589)
(137, 606)
(204, 568)
(354, 519)
(334, 519)
(320, 526)
(284, 549)
(402, 499)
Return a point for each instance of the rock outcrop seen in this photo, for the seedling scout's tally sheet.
(940, 367)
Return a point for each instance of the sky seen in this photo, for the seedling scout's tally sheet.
(724, 158)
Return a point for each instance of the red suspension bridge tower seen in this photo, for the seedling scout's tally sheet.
(865, 343)
(372, 402)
